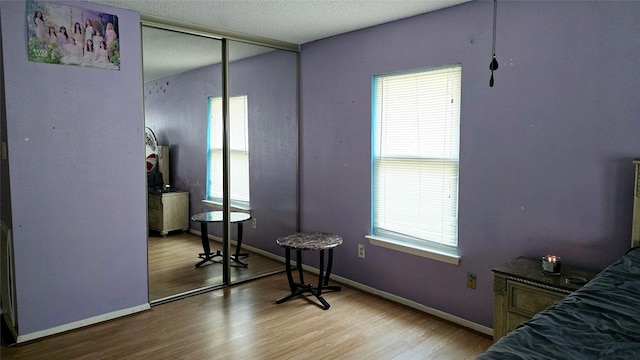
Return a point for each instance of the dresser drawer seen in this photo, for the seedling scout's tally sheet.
(155, 202)
(515, 319)
(529, 300)
(155, 212)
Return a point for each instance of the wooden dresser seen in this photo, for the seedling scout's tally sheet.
(168, 211)
(521, 289)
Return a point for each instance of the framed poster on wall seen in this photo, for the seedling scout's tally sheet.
(68, 35)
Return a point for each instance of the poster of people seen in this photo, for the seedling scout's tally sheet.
(60, 34)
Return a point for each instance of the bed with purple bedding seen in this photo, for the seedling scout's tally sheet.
(601, 320)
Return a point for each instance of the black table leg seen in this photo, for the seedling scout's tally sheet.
(299, 265)
(321, 276)
(206, 255)
(301, 287)
(204, 236)
(325, 285)
(237, 256)
(292, 285)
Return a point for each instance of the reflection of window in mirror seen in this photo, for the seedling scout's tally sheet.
(238, 151)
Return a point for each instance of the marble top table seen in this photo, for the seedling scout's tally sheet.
(310, 241)
(318, 241)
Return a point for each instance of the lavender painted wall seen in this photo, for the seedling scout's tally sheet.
(5, 194)
(545, 154)
(545, 163)
(78, 193)
(177, 113)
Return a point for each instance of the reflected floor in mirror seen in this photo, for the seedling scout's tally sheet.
(172, 270)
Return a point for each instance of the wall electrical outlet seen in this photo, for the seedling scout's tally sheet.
(471, 280)
(361, 251)
(253, 223)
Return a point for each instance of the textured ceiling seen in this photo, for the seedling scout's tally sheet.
(166, 53)
(291, 21)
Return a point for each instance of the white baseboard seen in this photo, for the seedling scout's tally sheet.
(414, 305)
(400, 300)
(81, 323)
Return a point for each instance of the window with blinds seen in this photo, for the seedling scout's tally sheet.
(238, 151)
(416, 135)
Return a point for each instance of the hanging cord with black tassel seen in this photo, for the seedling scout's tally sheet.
(494, 63)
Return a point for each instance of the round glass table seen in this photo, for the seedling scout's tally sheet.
(204, 218)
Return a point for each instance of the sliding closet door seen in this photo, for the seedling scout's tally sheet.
(191, 92)
(183, 75)
(263, 144)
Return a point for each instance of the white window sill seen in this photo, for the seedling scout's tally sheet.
(424, 251)
(215, 205)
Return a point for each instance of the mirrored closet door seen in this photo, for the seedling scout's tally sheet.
(185, 79)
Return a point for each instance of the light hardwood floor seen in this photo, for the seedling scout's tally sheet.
(172, 260)
(244, 322)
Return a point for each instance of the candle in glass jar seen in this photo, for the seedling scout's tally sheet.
(551, 264)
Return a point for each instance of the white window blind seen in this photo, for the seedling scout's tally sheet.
(415, 156)
(238, 149)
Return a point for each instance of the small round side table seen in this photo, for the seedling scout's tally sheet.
(319, 241)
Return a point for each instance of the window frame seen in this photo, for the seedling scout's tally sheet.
(210, 194)
(404, 242)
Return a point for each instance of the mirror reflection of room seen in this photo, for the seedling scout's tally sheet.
(183, 109)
